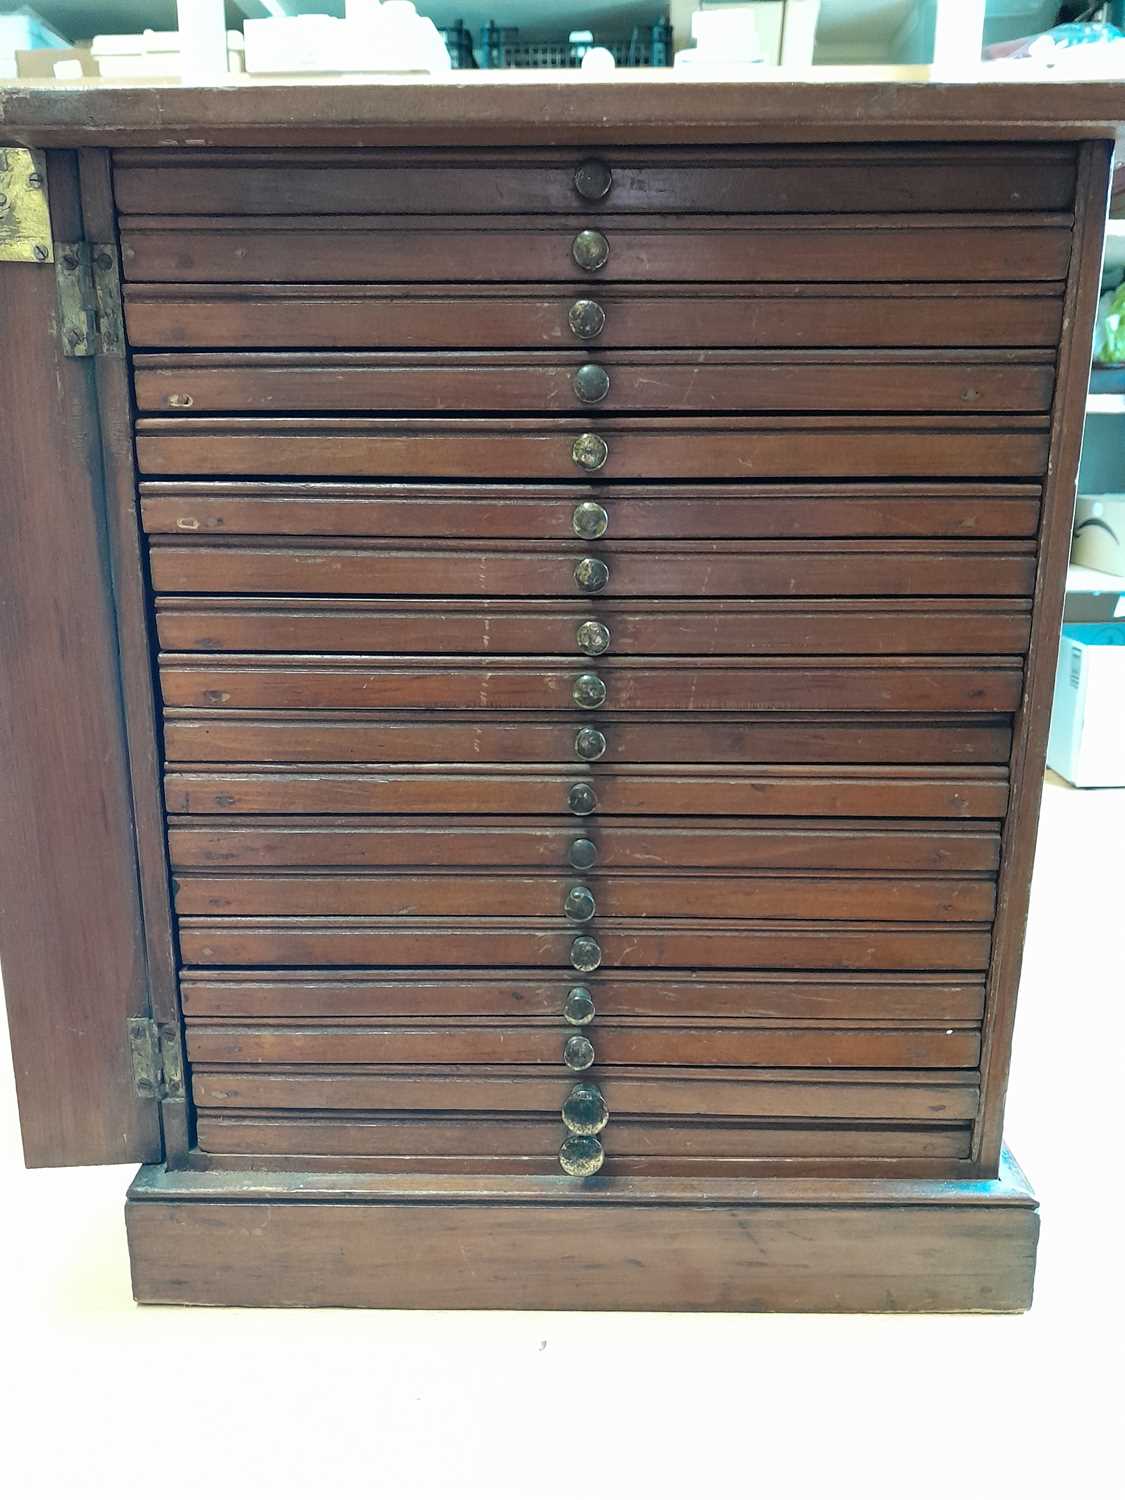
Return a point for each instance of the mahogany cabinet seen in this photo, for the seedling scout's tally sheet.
(528, 615)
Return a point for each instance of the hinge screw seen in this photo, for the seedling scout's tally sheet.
(40, 252)
(35, 180)
(70, 262)
(103, 261)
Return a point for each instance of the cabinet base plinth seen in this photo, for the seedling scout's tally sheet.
(267, 1239)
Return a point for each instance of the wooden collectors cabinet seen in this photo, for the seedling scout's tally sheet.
(531, 604)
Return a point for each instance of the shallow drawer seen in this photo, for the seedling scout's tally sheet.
(908, 684)
(710, 628)
(635, 1145)
(473, 248)
(833, 315)
(621, 179)
(643, 448)
(674, 1044)
(762, 791)
(606, 844)
(728, 897)
(622, 993)
(551, 512)
(653, 1091)
(552, 943)
(691, 381)
(625, 570)
(240, 735)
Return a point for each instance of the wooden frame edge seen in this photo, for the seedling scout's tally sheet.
(1032, 722)
(131, 611)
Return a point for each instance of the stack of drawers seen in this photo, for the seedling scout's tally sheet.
(592, 596)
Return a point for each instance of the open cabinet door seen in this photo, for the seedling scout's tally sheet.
(71, 940)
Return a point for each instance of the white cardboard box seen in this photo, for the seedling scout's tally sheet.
(1087, 741)
(1099, 533)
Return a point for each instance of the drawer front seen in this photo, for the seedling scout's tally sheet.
(731, 896)
(720, 179)
(468, 249)
(646, 448)
(550, 943)
(499, 627)
(623, 994)
(576, 315)
(692, 381)
(678, 1044)
(605, 844)
(915, 684)
(944, 1097)
(502, 791)
(635, 1145)
(214, 735)
(496, 512)
(624, 570)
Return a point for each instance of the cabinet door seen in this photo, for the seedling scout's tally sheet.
(71, 936)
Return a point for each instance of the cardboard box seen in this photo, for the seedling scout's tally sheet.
(1099, 533)
(1087, 742)
(57, 62)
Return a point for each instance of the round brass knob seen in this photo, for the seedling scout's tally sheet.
(586, 319)
(593, 639)
(589, 691)
(581, 798)
(590, 520)
(582, 854)
(592, 179)
(589, 743)
(585, 954)
(589, 451)
(584, 1112)
(581, 1155)
(578, 1053)
(590, 249)
(579, 905)
(591, 384)
(578, 1009)
(591, 574)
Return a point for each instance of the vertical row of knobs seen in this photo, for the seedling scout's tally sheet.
(585, 1114)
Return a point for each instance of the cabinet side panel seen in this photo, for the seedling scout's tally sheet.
(70, 927)
(1029, 749)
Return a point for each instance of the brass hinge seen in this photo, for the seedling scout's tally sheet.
(89, 288)
(157, 1059)
(25, 217)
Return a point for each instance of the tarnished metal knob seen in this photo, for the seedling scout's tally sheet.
(578, 1053)
(590, 249)
(578, 1008)
(585, 954)
(579, 905)
(593, 638)
(589, 691)
(591, 574)
(592, 179)
(582, 854)
(589, 451)
(585, 1112)
(591, 384)
(586, 319)
(581, 1155)
(590, 520)
(581, 798)
(589, 743)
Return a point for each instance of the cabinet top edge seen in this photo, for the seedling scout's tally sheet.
(521, 108)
